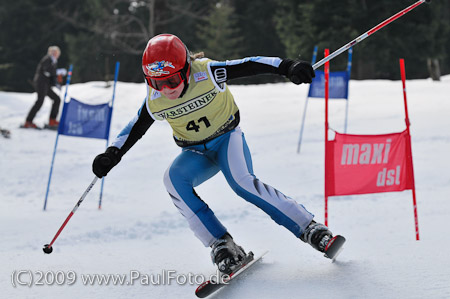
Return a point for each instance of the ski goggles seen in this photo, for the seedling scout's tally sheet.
(170, 82)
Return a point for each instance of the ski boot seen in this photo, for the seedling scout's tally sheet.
(321, 238)
(29, 125)
(227, 255)
(52, 124)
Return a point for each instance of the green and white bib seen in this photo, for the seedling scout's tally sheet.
(204, 112)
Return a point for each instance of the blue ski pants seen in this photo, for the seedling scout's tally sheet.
(228, 153)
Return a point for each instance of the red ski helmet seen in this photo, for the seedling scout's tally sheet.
(166, 62)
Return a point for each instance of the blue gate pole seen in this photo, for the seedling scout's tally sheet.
(69, 76)
(116, 76)
(51, 171)
(349, 71)
(306, 107)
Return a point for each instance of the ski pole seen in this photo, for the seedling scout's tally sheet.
(48, 247)
(368, 33)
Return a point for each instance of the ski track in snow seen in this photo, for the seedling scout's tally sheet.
(138, 228)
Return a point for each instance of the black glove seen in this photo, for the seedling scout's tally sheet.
(297, 71)
(103, 163)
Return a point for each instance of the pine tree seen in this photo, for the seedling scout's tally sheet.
(220, 36)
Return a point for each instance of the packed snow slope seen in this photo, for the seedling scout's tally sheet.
(138, 231)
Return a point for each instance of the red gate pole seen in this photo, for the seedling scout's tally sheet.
(327, 74)
(409, 148)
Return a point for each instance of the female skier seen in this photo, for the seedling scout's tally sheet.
(190, 92)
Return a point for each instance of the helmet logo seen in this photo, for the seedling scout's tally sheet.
(157, 68)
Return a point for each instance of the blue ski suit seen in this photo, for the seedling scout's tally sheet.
(205, 123)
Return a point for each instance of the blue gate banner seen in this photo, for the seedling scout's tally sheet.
(84, 120)
(338, 85)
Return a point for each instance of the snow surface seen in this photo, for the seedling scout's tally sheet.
(138, 228)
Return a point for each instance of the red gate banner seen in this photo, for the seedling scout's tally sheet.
(361, 164)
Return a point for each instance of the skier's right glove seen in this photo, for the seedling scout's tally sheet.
(103, 163)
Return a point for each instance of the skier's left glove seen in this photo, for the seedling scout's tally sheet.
(103, 163)
(297, 71)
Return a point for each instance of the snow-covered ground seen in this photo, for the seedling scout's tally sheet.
(139, 232)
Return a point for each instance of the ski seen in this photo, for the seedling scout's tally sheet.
(209, 286)
(45, 127)
(334, 247)
(52, 128)
(23, 127)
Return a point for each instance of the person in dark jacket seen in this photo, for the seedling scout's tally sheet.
(44, 78)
